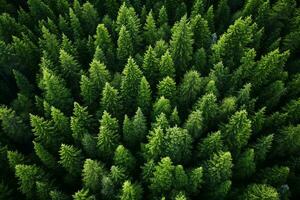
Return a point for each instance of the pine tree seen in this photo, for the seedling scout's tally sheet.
(194, 124)
(164, 29)
(275, 176)
(50, 45)
(124, 159)
(13, 125)
(201, 32)
(180, 178)
(207, 104)
(144, 96)
(104, 42)
(218, 169)
(245, 164)
(15, 158)
(190, 88)
(69, 67)
(262, 147)
(55, 91)
(288, 141)
(153, 149)
(166, 66)
(210, 16)
(131, 191)
(127, 17)
(151, 66)
(83, 194)
(181, 45)
(210, 145)
(47, 158)
(108, 137)
(89, 17)
(27, 176)
(177, 144)
(161, 121)
(260, 191)
(231, 46)
(222, 15)
(162, 179)
(80, 122)
(195, 179)
(131, 78)
(71, 159)
(167, 88)
(75, 24)
(125, 45)
(162, 105)
(238, 131)
(198, 8)
(138, 130)
(174, 118)
(150, 30)
(91, 85)
(110, 100)
(92, 173)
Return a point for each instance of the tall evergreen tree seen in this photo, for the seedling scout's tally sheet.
(181, 45)
(92, 173)
(108, 137)
(144, 96)
(150, 30)
(167, 88)
(125, 45)
(110, 100)
(166, 66)
(131, 77)
(71, 159)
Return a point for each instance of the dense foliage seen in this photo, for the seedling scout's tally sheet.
(154, 99)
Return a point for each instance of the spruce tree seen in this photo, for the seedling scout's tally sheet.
(125, 45)
(153, 149)
(181, 45)
(131, 191)
(144, 96)
(177, 144)
(167, 89)
(162, 179)
(108, 137)
(124, 159)
(260, 191)
(150, 30)
(55, 91)
(166, 66)
(194, 124)
(162, 105)
(71, 159)
(131, 77)
(151, 66)
(92, 173)
(110, 100)
(201, 32)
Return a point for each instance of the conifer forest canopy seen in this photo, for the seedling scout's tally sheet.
(149, 99)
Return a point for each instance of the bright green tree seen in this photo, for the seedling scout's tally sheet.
(151, 66)
(201, 32)
(124, 159)
(125, 45)
(260, 192)
(83, 194)
(110, 100)
(154, 147)
(162, 105)
(194, 124)
(108, 137)
(92, 173)
(131, 191)
(167, 88)
(166, 66)
(177, 144)
(150, 30)
(131, 78)
(71, 159)
(55, 91)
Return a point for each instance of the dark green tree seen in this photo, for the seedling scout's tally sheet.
(124, 159)
(131, 191)
(150, 30)
(92, 174)
(125, 45)
(166, 66)
(144, 96)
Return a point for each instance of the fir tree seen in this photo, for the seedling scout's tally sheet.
(150, 30)
(167, 88)
(177, 144)
(151, 66)
(125, 45)
(90, 86)
(260, 191)
(153, 149)
(131, 191)
(108, 136)
(162, 105)
(181, 45)
(194, 124)
(55, 91)
(83, 195)
(198, 8)
(110, 100)
(131, 77)
(71, 159)
(92, 173)
(80, 122)
(166, 66)
(238, 131)
(124, 159)
(201, 32)
(144, 96)
(162, 179)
